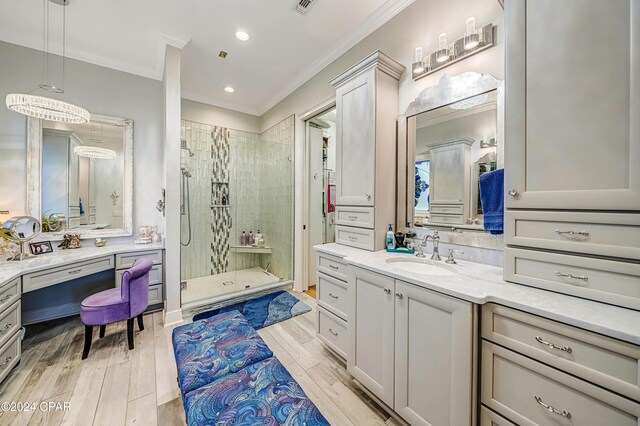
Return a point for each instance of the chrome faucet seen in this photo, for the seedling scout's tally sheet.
(436, 244)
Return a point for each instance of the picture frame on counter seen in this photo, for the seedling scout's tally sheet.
(41, 247)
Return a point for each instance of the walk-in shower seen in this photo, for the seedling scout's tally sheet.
(235, 182)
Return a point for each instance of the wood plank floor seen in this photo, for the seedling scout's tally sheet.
(115, 386)
(311, 291)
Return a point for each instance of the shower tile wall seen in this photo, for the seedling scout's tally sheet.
(259, 172)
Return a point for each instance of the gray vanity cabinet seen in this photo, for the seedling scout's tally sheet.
(366, 107)
(413, 348)
(573, 105)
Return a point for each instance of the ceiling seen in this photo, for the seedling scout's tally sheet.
(285, 49)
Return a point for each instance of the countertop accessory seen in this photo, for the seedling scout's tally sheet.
(41, 247)
(21, 229)
(99, 242)
(71, 241)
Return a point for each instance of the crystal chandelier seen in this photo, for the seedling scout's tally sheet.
(43, 107)
(94, 152)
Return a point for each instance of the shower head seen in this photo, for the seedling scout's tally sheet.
(183, 145)
(185, 172)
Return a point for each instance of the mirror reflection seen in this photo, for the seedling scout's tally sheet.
(82, 176)
(454, 146)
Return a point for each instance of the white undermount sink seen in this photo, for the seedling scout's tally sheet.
(415, 265)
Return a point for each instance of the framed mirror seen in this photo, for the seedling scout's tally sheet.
(449, 136)
(80, 176)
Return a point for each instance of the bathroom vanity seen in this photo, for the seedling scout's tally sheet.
(448, 344)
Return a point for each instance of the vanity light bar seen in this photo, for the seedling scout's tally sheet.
(473, 42)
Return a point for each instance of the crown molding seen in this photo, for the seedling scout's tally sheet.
(378, 60)
(189, 95)
(375, 21)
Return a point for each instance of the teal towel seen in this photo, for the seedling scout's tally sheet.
(492, 196)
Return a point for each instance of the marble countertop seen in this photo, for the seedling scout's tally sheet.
(11, 270)
(480, 284)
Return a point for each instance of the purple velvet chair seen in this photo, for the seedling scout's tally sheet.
(118, 304)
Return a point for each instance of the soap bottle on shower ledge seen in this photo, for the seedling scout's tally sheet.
(251, 239)
(243, 239)
(259, 239)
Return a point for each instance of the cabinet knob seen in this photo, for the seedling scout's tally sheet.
(513, 192)
(387, 291)
(368, 197)
(399, 296)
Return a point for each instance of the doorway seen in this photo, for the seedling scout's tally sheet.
(320, 176)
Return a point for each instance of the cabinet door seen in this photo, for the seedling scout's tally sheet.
(434, 357)
(356, 141)
(370, 332)
(573, 104)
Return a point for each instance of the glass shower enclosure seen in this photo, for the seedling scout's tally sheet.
(235, 182)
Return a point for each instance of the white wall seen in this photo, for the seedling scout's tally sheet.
(100, 90)
(209, 114)
(417, 25)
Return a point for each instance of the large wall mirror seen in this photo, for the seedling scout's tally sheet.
(80, 176)
(451, 134)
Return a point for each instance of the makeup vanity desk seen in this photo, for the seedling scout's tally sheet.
(53, 285)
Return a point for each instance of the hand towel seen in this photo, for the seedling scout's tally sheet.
(492, 196)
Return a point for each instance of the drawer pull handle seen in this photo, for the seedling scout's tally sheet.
(7, 297)
(6, 327)
(333, 267)
(574, 277)
(566, 349)
(551, 409)
(353, 218)
(572, 233)
(333, 296)
(75, 271)
(7, 360)
(333, 332)
(387, 291)
(399, 296)
(352, 238)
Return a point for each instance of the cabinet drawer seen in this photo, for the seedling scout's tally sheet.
(607, 362)
(9, 322)
(605, 234)
(617, 283)
(9, 355)
(126, 260)
(74, 212)
(489, 418)
(155, 275)
(355, 216)
(517, 387)
(332, 331)
(9, 293)
(447, 209)
(356, 237)
(332, 295)
(155, 295)
(333, 266)
(52, 276)
(449, 219)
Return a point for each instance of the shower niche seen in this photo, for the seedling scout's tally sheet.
(240, 181)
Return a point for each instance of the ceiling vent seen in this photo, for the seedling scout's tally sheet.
(303, 6)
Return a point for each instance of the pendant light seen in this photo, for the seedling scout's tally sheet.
(44, 107)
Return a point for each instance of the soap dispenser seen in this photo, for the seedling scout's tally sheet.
(391, 241)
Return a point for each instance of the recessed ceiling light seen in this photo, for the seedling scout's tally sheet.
(242, 36)
(229, 89)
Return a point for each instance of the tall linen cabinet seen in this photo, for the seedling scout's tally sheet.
(367, 108)
(572, 181)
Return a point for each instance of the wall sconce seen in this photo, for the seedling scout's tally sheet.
(473, 41)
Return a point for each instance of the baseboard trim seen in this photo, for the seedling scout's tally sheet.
(172, 317)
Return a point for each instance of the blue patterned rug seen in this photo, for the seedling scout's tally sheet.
(265, 310)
